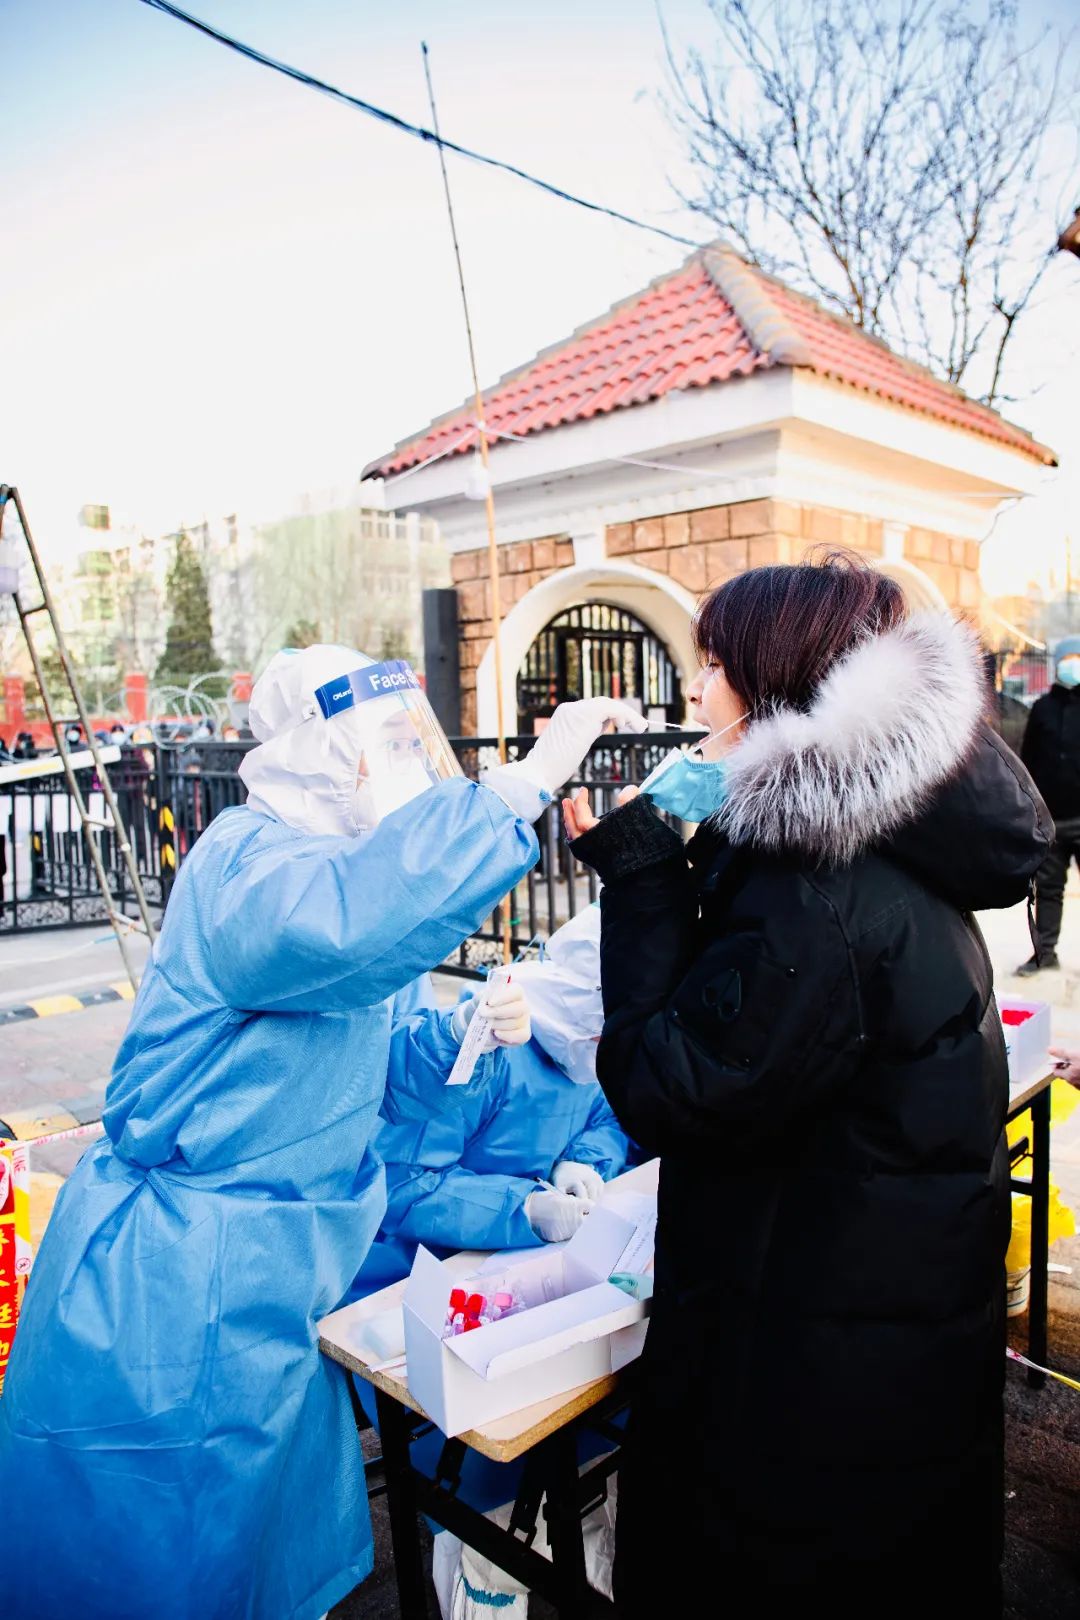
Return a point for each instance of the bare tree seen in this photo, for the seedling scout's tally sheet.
(898, 161)
(140, 620)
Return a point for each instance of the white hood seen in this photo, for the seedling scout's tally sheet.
(565, 1003)
(304, 771)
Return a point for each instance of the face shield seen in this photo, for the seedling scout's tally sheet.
(399, 749)
(343, 741)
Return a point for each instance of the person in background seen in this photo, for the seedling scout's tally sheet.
(166, 1402)
(800, 1021)
(1051, 752)
(25, 747)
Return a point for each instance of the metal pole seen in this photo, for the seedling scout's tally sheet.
(1040, 1223)
(401, 1504)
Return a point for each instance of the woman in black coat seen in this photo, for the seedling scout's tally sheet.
(800, 1020)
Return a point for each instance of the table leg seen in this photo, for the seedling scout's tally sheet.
(394, 1424)
(573, 1595)
(1040, 1221)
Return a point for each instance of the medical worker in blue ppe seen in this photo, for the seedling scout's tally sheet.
(522, 1159)
(171, 1442)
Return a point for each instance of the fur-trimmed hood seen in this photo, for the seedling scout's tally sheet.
(891, 723)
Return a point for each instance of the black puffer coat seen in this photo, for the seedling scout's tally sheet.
(800, 1021)
(1051, 750)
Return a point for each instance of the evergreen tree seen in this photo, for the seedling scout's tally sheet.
(189, 644)
(304, 633)
(59, 692)
(395, 644)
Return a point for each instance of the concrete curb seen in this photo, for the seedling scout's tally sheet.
(49, 1006)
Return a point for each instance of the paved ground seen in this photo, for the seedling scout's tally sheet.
(54, 1070)
(57, 1067)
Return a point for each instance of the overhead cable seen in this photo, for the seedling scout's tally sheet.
(404, 127)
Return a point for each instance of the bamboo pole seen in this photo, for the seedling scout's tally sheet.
(489, 498)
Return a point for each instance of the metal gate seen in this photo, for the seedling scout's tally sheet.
(597, 650)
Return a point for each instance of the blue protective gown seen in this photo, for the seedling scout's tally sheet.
(458, 1172)
(172, 1444)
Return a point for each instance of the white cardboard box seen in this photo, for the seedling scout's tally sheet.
(544, 1351)
(1026, 1043)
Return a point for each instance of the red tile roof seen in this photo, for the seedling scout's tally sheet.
(715, 318)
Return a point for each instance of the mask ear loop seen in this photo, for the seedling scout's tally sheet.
(699, 747)
(528, 945)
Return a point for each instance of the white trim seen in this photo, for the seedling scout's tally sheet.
(679, 422)
(894, 537)
(651, 597)
(590, 550)
(780, 433)
(849, 412)
(918, 587)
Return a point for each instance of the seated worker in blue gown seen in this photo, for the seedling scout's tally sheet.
(519, 1164)
(522, 1160)
(172, 1444)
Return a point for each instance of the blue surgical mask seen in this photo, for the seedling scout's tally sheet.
(1068, 670)
(689, 787)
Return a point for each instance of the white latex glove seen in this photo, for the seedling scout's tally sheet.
(506, 1009)
(579, 1180)
(567, 738)
(555, 1216)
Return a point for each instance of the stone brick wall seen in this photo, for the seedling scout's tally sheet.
(952, 564)
(700, 550)
(521, 566)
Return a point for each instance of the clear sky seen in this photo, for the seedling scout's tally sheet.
(219, 289)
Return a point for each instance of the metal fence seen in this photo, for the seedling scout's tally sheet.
(169, 795)
(1025, 675)
(1018, 679)
(558, 886)
(47, 879)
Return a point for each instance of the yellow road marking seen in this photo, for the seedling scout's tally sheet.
(48, 1005)
(25, 1123)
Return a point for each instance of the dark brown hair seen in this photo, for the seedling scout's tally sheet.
(776, 632)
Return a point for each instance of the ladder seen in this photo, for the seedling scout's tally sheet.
(123, 926)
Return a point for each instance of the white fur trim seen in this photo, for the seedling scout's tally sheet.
(891, 722)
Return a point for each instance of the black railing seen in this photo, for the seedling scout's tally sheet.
(558, 886)
(169, 795)
(47, 878)
(1018, 679)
